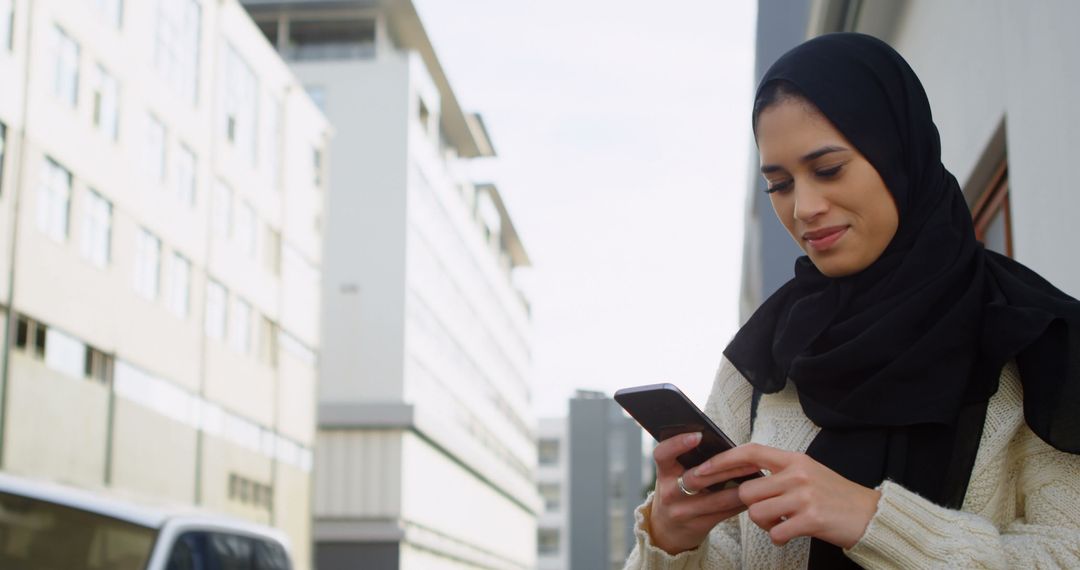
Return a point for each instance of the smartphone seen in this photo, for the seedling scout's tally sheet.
(664, 411)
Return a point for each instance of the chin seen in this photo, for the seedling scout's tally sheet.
(834, 268)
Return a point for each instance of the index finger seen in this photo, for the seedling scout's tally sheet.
(668, 451)
(761, 456)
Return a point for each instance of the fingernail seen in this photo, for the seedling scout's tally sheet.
(702, 469)
(692, 438)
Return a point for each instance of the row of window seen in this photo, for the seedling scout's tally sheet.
(53, 207)
(62, 352)
(249, 492)
(176, 59)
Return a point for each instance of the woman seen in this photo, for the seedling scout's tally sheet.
(916, 396)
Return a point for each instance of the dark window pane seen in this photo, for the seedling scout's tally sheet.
(39, 534)
(230, 551)
(22, 332)
(270, 556)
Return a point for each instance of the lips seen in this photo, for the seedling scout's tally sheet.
(824, 238)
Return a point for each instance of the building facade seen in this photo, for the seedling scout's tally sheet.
(553, 483)
(159, 253)
(608, 479)
(1002, 90)
(426, 451)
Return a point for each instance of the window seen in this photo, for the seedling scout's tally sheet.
(549, 492)
(992, 215)
(147, 264)
(110, 10)
(221, 216)
(184, 174)
(179, 285)
(339, 38)
(549, 451)
(547, 541)
(49, 535)
(204, 549)
(7, 19)
(96, 229)
(245, 229)
(241, 330)
(98, 365)
(216, 299)
(240, 105)
(154, 148)
(66, 67)
(54, 197)
(176, 53)
(31, 336)
(106, 101)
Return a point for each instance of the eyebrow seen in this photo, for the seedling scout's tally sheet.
(769, 168)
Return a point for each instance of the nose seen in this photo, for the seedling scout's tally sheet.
(809, 202)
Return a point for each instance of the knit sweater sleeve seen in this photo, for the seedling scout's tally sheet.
(729, 408)
(909, 531)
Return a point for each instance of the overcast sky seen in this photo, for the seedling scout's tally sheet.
(622, 128)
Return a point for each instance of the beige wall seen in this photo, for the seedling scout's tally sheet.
(55, 424)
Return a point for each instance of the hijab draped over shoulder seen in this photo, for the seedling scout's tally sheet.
(897, 363)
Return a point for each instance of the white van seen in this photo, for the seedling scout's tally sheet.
(46, 526)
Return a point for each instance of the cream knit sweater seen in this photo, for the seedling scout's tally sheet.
(1022, 508)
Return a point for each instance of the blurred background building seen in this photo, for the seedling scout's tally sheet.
(160, 255)
(553, 483)
(426, 450)
(1002, 82)
(592, 475)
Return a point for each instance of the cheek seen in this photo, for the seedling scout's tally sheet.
(784, 206)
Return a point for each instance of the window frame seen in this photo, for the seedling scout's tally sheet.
(994, 200)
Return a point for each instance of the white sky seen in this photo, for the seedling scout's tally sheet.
(623, 134)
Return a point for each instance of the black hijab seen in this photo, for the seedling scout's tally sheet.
(896, 363)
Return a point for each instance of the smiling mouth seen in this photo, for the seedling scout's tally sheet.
(824, 238)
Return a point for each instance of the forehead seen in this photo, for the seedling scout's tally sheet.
(790, 129)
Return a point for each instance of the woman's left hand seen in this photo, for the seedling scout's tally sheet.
(800, 498)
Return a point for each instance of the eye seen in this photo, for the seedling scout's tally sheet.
(777, 186)
(829, 172)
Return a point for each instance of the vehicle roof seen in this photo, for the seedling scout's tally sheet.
(108, 504)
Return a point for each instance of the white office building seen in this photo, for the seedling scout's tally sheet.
(426, 451)
(160, 247)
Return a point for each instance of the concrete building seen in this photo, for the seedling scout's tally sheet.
(607, 481)
(159, 253)
(426, 452)
(1002, 82)
(553, 483)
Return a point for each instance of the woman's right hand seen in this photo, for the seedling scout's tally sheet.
(679, 522)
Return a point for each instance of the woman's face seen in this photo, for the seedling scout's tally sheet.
(829, 197)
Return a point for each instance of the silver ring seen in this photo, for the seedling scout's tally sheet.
(685, 491)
